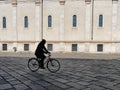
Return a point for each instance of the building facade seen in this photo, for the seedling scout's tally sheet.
(88, 26)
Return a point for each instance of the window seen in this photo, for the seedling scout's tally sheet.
(50, 47)
(26, 47)
(100, 47)
(49, 21)
(74, 47)
(100, 20)
(4, 47)
(4, 22)
(26, 21)
(74, 20)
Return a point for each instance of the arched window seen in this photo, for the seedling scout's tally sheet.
(74, 20)
(49, 21)
(4, 22)
(26, 21)
(100, 20)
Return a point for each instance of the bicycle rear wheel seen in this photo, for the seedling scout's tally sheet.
(53, 65)
(33, 64)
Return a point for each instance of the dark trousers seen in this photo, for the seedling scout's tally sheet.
(42, 57)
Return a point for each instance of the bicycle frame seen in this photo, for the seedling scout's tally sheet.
(51, 64)
(47, 58)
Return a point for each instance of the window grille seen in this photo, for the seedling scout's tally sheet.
(50, 47)
(4, 47)
(26, 47)
(100, 47)
(74, 47)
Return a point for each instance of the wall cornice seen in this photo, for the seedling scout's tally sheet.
(14, 3)
(88, 1)
(62, 2)
(114, 0)
(83, 41)
(37, 2)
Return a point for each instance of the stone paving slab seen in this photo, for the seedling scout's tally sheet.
(75, 74)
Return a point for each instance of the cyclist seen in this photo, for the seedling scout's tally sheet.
(40, 51)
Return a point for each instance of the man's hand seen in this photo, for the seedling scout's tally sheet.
(49, 52)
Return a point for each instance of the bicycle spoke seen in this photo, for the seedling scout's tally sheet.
(33, 64)
(53, 65)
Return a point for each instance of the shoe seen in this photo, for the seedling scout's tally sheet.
(42, 67)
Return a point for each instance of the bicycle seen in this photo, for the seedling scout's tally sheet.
(53, 65)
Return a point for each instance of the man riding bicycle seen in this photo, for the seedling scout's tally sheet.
(40, 51)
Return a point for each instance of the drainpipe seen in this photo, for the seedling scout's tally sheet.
(92, 19)
(42, 20)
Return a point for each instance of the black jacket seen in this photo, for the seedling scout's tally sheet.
(40, 50)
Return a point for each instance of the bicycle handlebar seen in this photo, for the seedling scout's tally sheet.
(49, 54)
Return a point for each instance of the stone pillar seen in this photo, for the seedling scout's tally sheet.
(88, 20)
(62, 44)
(114, 14)
(88, 24)
(14, 24)
(37, 21)
(114, 23)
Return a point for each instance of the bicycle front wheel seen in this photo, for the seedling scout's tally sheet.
(33, 64)
(53, 65)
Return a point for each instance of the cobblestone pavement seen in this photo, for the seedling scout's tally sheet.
(75, 74)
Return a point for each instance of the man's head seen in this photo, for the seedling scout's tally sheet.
(44, 41)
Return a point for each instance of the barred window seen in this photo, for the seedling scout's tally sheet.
(74, 47)
(4, 47)
(50, 47)
(26, 47)
(100, 47)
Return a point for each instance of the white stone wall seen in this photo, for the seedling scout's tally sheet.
(51, 8)
(26, 9)
(5, 34)
(62, 34)
(102, 33)
(75, 8)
